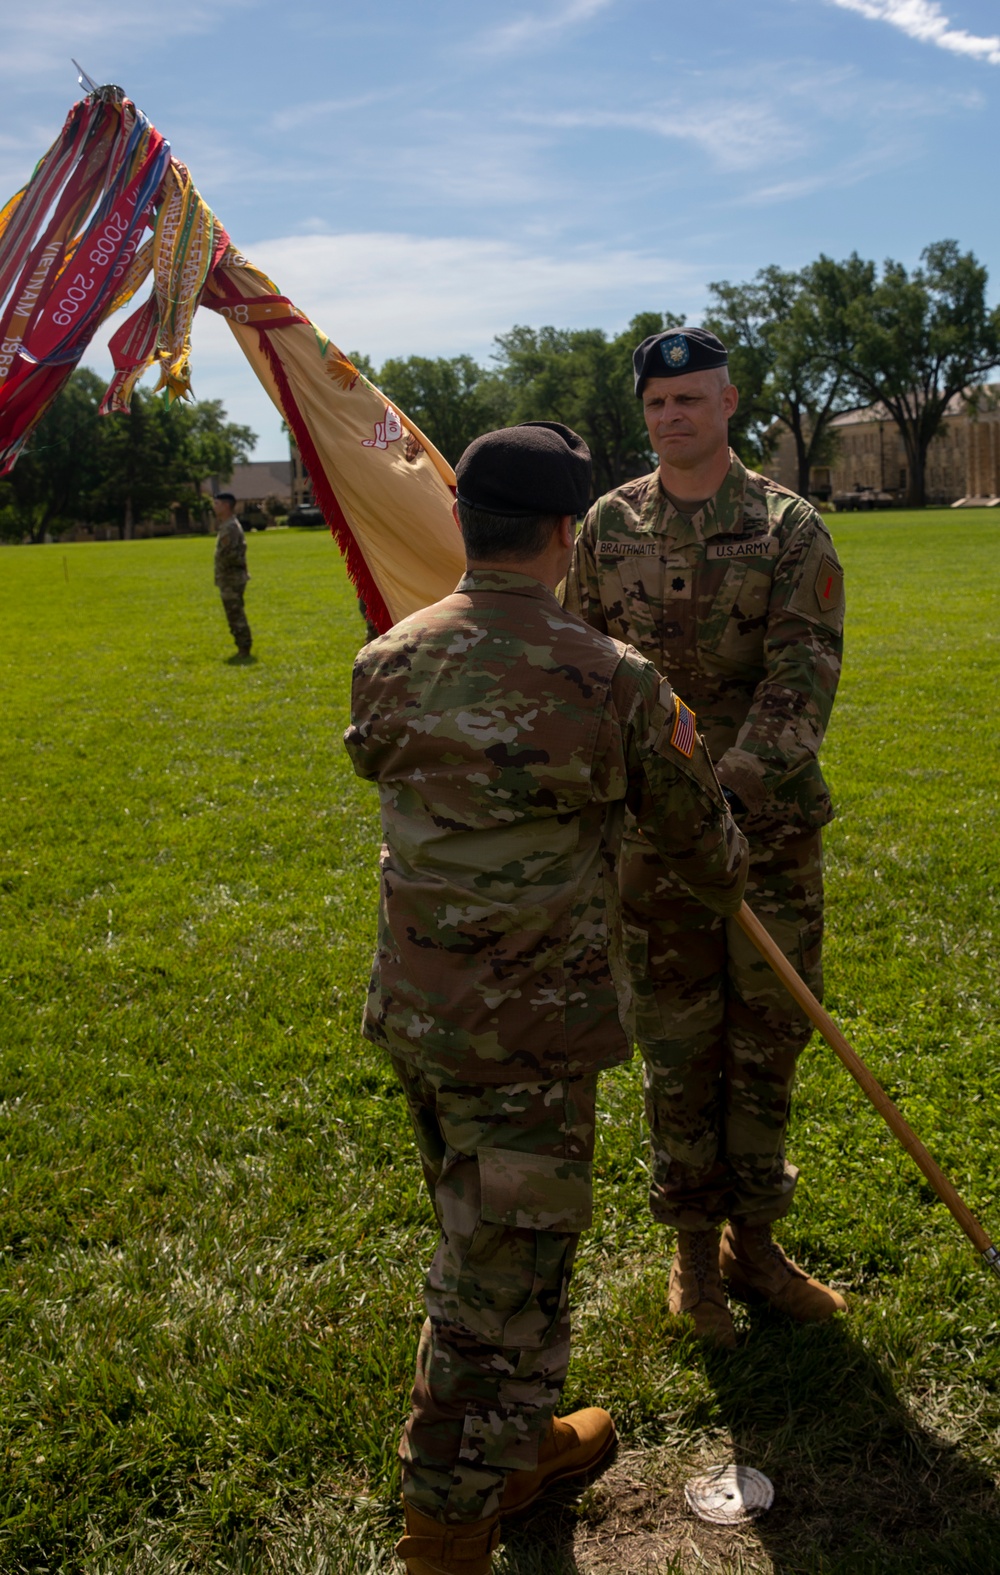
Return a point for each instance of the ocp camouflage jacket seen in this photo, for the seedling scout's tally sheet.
(231, 555)
(743, 609)
(506, 738)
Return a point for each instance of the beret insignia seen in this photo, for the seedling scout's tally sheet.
(676, 351)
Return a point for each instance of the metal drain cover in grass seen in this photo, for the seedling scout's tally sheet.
(729, 1494)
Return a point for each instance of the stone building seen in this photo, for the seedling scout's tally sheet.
(302, 487)
(963, 461)
(262, 488)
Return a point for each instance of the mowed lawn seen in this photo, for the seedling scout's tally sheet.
(212, 1230)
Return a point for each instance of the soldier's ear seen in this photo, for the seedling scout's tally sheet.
(454, 511)
(567, 530)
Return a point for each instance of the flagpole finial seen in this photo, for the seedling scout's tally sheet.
(83, 79)
(109, 94)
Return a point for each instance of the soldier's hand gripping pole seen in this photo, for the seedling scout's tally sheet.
(800, 992)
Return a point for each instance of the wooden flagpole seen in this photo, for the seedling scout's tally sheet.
(820, 1019)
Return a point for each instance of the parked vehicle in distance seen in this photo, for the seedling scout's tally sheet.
(306, 514)
(860, 498)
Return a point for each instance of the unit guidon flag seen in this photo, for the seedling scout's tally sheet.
(74, 248)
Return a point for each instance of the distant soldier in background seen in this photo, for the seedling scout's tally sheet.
(731, 585)
(231, 569)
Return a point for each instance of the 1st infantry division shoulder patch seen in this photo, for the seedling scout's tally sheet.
(829, 585)
(683, 735)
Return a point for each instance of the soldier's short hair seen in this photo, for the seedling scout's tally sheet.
(494, 537)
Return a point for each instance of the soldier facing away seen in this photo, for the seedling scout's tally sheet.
(507, 739)
(731, 585)
(231, 569)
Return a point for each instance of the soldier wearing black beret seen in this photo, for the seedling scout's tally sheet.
(506, 739)
(538, 467)
(731, 585)
(676, 354)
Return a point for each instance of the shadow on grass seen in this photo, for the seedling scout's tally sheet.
(541, 1542)
(860, 1485)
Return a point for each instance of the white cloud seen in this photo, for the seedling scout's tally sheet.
(883, 153)
(735, 136)
(40, 38)
(775, 133)
(452, 161)
(319, 109)
(925, 21)
(394, 294)
(386, 293)
(527, 31)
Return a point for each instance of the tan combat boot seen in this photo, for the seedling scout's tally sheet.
(696, 1288)
(432, 1548)
(574, 1446)
(756, 1270)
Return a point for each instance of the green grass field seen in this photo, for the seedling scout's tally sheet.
(212, 1229)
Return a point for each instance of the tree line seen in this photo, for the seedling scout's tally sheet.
(84, 468)
(804, 346)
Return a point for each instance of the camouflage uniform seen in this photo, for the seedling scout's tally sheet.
(506, 740)
(231, 577)
(741, 605)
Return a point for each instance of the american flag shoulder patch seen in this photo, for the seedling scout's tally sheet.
(683, 735)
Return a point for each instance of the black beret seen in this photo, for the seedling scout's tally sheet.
(539, 467)
(677, 351)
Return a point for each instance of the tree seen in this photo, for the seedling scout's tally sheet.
(51, 483)
(780, 363)
(364, 364)
(204, 444)
(910, 342)
(451, 401)
(584, 378)
(83, 467)
(155, 458)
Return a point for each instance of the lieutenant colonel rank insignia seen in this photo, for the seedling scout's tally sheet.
(676, 351)
(683, 735)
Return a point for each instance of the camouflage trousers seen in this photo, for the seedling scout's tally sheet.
(719, 1034)
(232, 603)
(509, 1170)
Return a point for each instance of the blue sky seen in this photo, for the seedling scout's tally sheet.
(419, 177)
